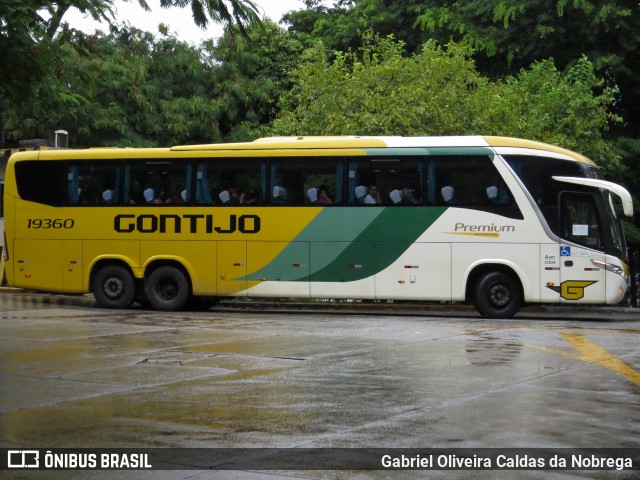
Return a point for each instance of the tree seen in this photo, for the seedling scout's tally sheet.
(341, 26)
(515, 33)
(126, 89)
(238, 15)
(25, 52)
(250, 74)
(33, 35)
(438, 91)
(129, 88)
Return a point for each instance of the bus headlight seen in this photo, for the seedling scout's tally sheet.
(611, 267)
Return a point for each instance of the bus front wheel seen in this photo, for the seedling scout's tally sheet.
(167, 289)
(498, 295)
(114, 287)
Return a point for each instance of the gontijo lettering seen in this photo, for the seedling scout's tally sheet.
(189, 223)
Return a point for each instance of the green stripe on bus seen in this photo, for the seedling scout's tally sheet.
(344, 243)
(336, 226)
(430, 151)
(397, 227)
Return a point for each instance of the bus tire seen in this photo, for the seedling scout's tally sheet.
(113, 287)
(167, 289)
(498, 295)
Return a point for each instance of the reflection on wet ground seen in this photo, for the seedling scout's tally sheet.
(74, 375)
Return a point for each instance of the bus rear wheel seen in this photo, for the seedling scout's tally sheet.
(498, 295)
(167, 289)
(113, 287)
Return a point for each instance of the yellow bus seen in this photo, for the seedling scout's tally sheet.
(495, 221)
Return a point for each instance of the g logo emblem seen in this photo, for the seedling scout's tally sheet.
(572, 289)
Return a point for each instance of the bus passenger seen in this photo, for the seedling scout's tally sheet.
(87, 195)
(135, 195)
(409, 197)
(248, 198)
(159, 197)
(176, 197)
(373, 196)
(323, 196)
(229, 197)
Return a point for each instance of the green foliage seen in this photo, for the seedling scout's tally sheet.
(367, 92)
(515, 33)
(527, 30)
(570, 109)
(248, 76)
(632, 233)
(340, 27)
(629, 150)
(237, 15)
(130, 89)
(26, 51)
(31, 51)
(35, 91)
(438, 91)
(122, 89)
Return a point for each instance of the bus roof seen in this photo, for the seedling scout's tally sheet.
(331, 142)
(533, 145)
(318, 142)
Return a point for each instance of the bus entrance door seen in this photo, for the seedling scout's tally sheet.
(581, 229)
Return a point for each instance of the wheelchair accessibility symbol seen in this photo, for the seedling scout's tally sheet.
(565, 251)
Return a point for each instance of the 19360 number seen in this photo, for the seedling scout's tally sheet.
(56, 223)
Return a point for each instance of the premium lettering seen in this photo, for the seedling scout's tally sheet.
(189, 223)
(493, 228)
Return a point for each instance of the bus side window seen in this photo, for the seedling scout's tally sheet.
(471, 181)
(41, 181)
(157, 182)
(95, 182)
(307, 181)
(396, 181)
(229, 182)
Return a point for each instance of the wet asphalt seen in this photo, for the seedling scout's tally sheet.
(247, 374)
